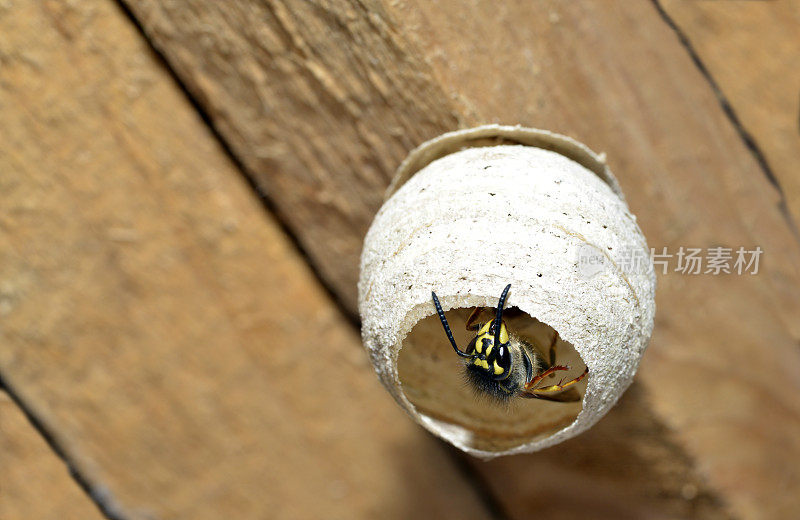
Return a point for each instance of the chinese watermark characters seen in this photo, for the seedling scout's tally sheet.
(683, 260)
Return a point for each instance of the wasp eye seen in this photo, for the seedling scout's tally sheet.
(502, 363)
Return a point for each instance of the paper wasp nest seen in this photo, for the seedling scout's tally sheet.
(467, 214)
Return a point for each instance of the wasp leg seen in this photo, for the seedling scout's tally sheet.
(476, 312)
(570, 395)
(561, 384)
(533, 382)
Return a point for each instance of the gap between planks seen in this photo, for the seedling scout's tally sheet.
(727, 108)
(101, 498)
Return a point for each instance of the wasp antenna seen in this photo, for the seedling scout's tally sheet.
(499, 319)
(447, 327)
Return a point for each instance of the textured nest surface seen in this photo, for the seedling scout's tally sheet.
(466, 222)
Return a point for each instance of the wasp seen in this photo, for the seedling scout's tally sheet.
(503, 365)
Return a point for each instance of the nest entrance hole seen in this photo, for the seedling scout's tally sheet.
(433, 380)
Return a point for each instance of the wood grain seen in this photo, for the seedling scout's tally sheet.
(34, 482)
(156, 320)
(752, 52)
(722, 371)
(319, 100)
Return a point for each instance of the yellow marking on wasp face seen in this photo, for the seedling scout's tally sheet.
(497, 368)
(503, 333)
(479, 345)
(485, 332)
(481, 363)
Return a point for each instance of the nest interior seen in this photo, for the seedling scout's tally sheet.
(433, 380)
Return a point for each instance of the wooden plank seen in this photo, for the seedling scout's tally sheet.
(34, 482)
(320, 101)
(156, 320)
(570, 67)
(752, 52)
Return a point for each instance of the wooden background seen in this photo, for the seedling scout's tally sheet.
(184, 187)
